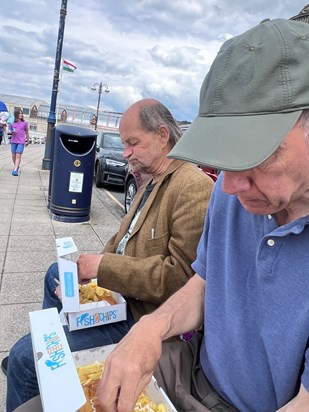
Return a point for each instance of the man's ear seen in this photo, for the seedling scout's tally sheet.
(164, 134)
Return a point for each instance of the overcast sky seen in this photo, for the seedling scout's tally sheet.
(139, 48)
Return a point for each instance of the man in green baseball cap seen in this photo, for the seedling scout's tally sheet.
(251, 97)
(249, 297)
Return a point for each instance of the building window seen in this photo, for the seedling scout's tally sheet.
(33, 127)
(26, 111)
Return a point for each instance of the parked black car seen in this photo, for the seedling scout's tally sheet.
(109, 161)
(130, 188)
(133, 181)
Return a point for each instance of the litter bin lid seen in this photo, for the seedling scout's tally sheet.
(72, 130)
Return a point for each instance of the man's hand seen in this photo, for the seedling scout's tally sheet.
(129, 368)
(57, 292)
(87, 267)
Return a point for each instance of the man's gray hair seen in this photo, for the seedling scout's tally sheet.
(304, 121)
(155, 115)
(303, 15)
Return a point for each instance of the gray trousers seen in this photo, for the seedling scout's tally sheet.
(180, 375)
(33, 405)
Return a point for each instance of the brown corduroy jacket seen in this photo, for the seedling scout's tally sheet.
(163, 243)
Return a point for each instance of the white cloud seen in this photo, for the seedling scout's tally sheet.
(145, 48)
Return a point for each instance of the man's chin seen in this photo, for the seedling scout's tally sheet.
(256, 207)
(134, 166)
(138, 168)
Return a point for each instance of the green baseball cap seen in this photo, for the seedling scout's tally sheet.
(251, 97)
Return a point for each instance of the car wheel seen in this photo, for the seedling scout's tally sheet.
(131, 189)
(98, 176)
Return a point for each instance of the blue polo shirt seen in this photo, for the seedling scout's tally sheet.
(257, 304)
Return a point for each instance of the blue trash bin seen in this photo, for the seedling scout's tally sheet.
(72, 173)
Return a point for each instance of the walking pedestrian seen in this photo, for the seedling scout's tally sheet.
(19, 139)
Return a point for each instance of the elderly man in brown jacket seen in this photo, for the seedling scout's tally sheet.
(150, 257)
(162, 244)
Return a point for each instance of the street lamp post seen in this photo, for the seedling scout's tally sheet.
(51, 121)
(100, 89)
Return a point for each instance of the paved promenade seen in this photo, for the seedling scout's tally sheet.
(27, 241)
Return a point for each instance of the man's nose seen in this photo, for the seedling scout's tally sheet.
(127, 153)
(235, 182)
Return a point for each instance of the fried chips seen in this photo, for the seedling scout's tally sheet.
(90, 375)
(91, 292)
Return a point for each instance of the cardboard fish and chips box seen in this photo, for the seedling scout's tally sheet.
(153, 391)
(79, 316)
(58, 380)
(59, 384)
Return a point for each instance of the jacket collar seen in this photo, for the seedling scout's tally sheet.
(174, 165)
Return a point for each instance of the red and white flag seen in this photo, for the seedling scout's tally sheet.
(68, 67)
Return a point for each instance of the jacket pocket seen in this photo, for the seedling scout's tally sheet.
(159, 245)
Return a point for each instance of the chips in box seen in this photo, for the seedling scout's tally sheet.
(83, 315)
(56, 369)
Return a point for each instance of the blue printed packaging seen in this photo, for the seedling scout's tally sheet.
(58, 380)
(80, 316)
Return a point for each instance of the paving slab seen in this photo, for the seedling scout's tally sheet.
(5, 227)
(31, 242)
(29, 289)
(15, 321)
(3, 242)
(26, 228)
(29, 260)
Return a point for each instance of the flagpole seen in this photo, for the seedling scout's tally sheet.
(59, 90)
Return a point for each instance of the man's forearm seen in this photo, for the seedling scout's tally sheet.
(182, 312)
(130, 366)
(298, 404)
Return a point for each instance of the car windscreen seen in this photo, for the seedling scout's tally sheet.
(112, 141)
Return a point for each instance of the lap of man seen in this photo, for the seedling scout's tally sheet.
(181, 376)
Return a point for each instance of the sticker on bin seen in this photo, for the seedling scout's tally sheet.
(76, 182)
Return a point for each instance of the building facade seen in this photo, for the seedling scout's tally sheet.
(36, 113)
